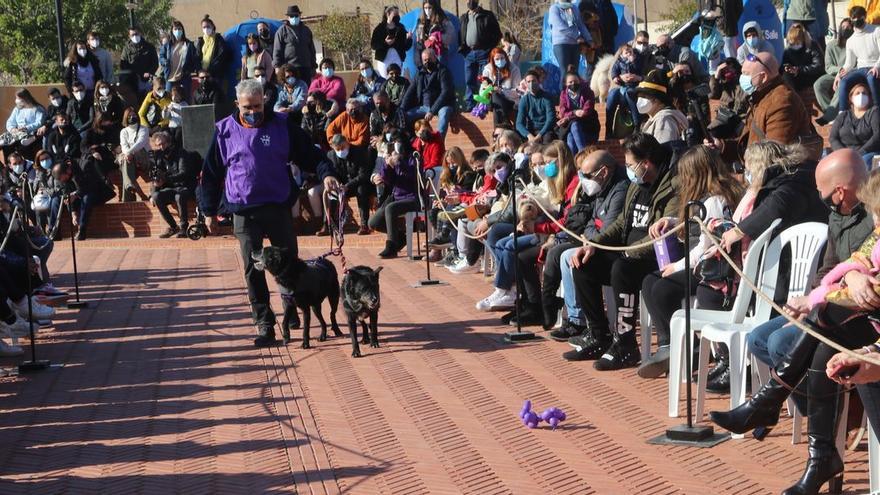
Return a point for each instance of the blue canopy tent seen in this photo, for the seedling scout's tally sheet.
(625, 33)
(235, 39)
(452, 60)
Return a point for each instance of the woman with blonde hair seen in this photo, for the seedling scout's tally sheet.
(703, 176)
(802, 61)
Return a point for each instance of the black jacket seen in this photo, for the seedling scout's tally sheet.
(488, 31)
(401, 42)
(294, 45)
(861, 135)
(70, 77)
(178, 168)
(64, 146)
(80, 113)
(605, 206)
(809, 59)
(208, 94)
(394, 118)
(433, 89)
(791, 197)
(353, 170)
(140, 59)
(219, 58)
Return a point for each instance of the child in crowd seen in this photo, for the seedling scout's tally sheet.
(627, 74)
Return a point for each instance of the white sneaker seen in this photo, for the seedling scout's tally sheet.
(462, 266)
(7, 350)
(18, 328)
(500, 299)
(40, 311)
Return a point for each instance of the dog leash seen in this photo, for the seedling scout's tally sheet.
(337, 235)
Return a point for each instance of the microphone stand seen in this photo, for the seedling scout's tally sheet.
(519, 335)
(425, 198)
(78, 303)
(417, 157)
(34, 364)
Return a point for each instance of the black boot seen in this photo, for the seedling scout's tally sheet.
(824, 464)
(591, 344)
(761, 412)
(265, 337)
(623, 353)
(390, 250)
(551, 307)
(530, 314)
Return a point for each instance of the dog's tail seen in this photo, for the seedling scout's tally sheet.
(600, 82)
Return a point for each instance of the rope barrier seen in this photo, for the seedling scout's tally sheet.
(449, 219)
(9, 230)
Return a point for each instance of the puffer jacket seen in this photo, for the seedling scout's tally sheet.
(294, 45)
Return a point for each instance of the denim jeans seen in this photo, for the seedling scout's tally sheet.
(572, 308)
(505, 254)
(769, 342)
(474, 62)
(496, 233)
(851, 78)
(443, 115)
(616, 97)
(578, 138)
(566, 55)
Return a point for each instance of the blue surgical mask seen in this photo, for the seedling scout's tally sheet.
(253, 118)
(564, 5)
(501, 63)
(46, 164)
(551, 169)
(294, 21)
(635, 179)
(501, 174)
(745, 82)
(178, 33)
(367, 73)
(343, 153)
(752, 42)
(291, 81)
(18, 169)
(327, 72)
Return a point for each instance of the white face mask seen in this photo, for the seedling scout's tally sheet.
(641, 47)
(160, 93)
(19, 103)
(56, 102)
(82, 52)
(208, 31)
(860, 101)
(135, 39)
(644, 105)
(94, 43)
(79, 95)
(104, 91)
(590, 187)
(261, 79)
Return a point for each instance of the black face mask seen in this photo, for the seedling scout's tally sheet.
(395, 19)
(264, 33)
(472, 4)
(858, 23)
(431, 66)
(845, 33)
(830, 203)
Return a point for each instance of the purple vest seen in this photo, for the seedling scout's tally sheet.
(256, 161)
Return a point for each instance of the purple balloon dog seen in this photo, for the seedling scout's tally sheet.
(553, 416)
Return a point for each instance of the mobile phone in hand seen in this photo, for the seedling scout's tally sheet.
(844, 371)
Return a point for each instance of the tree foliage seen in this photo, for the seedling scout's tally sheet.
(29, 51)
(346, 37)
(525, 20)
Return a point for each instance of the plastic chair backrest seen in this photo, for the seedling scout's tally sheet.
(751, 265)
(805, 241)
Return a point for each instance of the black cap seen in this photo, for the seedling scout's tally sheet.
(293, 11)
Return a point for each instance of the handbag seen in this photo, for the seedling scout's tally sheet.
(714, 271)
(41, 201)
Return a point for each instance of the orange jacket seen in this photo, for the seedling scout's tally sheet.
(355, 130)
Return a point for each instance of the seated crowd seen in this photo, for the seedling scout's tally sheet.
(546, 183)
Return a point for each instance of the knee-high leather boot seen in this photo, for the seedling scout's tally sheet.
(825, 464)
(761, 412)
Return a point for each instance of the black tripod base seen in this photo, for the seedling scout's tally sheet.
(690, 436)
(33, 366)
(428, 283)
(77, 304)
(518, 337)
(416, 257)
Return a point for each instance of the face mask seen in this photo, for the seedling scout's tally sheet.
(261, 79)
(46, 164)
(541, 172)
(264, 33)
(208, 31)
(846, 33)
(589, 186)
(160, 93)
(178, 33)
(830, 203)
(635, 179)
(424, 135)
(565, 5)
(104, 91)
(79, 95)
(82, 52)
(135, 39)
(428, 12)
(752, 41)
(745, 82)
(291, 80)
(343, 153)
(500, 63)
(327, 72)
(311, 107)
(796, 47)
(534, 87)
(858, 23)
(253, 119)
(395, 19)
(472, 5)
(387, 137)
(644, 105)
(641, 47)
(860, 101)
(367, 73)
(18, 169)
(748, 177)
(19, 103)
(56, 102)
(501, 174)
(294, 21)
(551, 169)
(255, 47)
(95, 43)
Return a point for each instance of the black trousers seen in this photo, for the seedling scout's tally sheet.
(625, 275)
(663, 298)
(385, 218)
(502, 109)
(178, 195)
(552, 271)
(250, 228)
(364, 192)
(529, 274)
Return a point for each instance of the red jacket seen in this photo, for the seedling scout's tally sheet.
(432, 151)
(489, 184)
(549, 226)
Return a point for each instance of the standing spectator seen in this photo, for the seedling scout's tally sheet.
(511, 46)
(105, 60)
(607, 20)
(505, 78)
(536, 118)
(354, 169)
(368, 83)
(479, 34)
(353, 124)
(754, 42)
(79, 108)
(862, 61)
(57, 105)
(396, 173)
(214, 54)
(63, 140)
(134, 142)
(429, 144)
(396, 85)
(248, 166)
(835, 57)
(208, 92)
(432, 93)
(315, 118)
(433, 30)
(291, 94)
(139, 57)
(266, 38)
(627, 74)
(710, 48)
(802, 61)
(567, 32)
(179, 59)
(255, 56)
(390, 41)
(811, 14)
(331, 85)
(578, 121)
(294, 45)
(152, 111)
(728, 24)
(173, 175)
(724, 87)
(858, 128)
(83, 67)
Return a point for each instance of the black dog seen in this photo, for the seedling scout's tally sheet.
(310, 282)
(360, 300)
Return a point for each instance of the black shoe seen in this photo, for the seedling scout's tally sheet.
(506, 318)
(530, 315)
(440, 242)
(551, 309)
(656, 365)
(567, 331)
(623, 353)
(182, 234)
(266, 338)
(720, 384)
(586, 346)
(170, 231)
(389, 251)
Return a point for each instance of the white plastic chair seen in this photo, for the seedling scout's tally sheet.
(873, 460)
(805, 241)
(703, 317)
(410, 218)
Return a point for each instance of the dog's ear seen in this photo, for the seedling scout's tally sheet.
(257, 257)
(377, 270)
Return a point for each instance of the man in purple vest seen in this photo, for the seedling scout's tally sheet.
(250, 162)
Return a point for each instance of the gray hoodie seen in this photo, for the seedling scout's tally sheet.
(762, 46)
(666, 125)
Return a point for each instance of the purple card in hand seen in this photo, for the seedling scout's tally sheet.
(667, 250)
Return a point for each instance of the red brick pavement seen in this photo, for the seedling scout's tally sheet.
(162, 392)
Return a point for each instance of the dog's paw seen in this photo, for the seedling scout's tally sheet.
(365, 340)
(374, 344)
(356, 354)
(337, 332)
(306, 345)
(322, 337)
